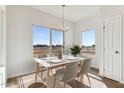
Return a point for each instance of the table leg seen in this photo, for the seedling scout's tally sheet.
(47, 78)
(41, 72)
(37, 71)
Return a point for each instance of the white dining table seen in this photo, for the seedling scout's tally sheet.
(54, 62)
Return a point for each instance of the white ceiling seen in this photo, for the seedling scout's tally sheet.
(72, 12)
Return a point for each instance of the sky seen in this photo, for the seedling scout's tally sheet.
(41, 35)
(88, 37)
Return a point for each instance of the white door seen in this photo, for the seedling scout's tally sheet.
(112, 47)
(0, 37)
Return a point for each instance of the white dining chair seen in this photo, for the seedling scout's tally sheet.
(51, 55)
(66, 75)
(84, 70)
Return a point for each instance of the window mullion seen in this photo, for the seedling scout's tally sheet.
(63, 42)
(50, 40)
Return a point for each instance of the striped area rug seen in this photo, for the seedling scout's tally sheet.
(96, 82)
(26, 81)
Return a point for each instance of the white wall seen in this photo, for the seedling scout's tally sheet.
(87, 24)
(19, 37)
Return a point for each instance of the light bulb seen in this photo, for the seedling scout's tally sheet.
(60, 27)
(66, 29)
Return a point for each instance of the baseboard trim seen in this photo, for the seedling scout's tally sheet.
(122, 82)
(21, 75)
(94, 67)
(101, 73)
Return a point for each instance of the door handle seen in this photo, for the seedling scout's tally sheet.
(117, 52)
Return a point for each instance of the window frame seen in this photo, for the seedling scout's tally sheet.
(54, 29)
(86, 30)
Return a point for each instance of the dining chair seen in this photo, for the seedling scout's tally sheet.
(40, 69)
(66, 75)
(84, 70)
(36, 84)
(52, 69)
(51, 55)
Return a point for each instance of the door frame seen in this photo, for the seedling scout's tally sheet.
(103, 47)
(3, 43)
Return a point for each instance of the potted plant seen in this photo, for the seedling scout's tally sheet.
(75, 50)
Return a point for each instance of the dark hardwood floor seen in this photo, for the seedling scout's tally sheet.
(108, 82)
(95, 79)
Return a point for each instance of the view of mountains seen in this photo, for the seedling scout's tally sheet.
(39, 45)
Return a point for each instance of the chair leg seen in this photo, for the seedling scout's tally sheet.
(37, 71)
(55, 70)
(63, 67)
(51, 72)
(78, 78)
(64, 84)
(41, 72)
(74, 84)
(54, 82)
(88, 79)
(81, 79)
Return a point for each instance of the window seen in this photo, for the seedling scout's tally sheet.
(46, 40)
(57, 41)
(88, 41)
(41, 41)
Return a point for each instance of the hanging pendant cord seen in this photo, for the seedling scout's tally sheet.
(63, 17)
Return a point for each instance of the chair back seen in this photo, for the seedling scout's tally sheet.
(70, 72)
(85, 66)
(50, 54)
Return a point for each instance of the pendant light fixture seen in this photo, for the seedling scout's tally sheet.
(63, 28)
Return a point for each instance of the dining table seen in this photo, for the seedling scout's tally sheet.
(54, 62)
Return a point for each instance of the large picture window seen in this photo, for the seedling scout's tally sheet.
(57, 41)
(46, 41)
(88, 41)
